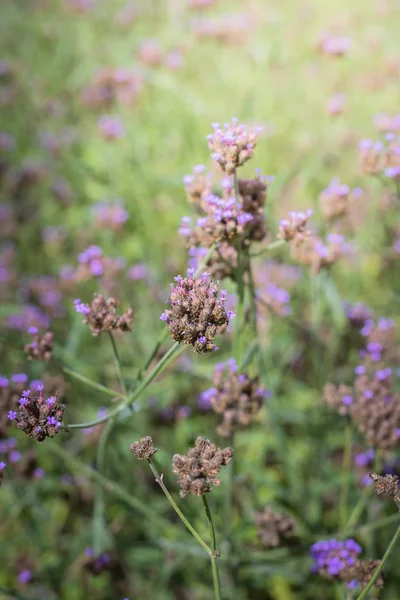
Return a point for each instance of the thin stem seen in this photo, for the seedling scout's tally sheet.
(159, 479)
(346, 467)
(99, 504)
(375, 576)
(228, 487)
(214, 556)
(272, 246)
(130, 399)
(117, 361)
(75, 464)
(93, 384)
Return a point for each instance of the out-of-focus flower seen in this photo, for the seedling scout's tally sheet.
(274, 528)
(41, 346)
(150, 52)
(337, 199)
(111, 127)
(110, 215)
(336, 105)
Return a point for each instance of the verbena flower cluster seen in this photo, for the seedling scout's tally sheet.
(232, 145)
(144, 449)
(198, 469)
(373, 401)
(101, 315)
(235, 396)
(36, 416)
(197, 311)
(274, 527)
(41, 346)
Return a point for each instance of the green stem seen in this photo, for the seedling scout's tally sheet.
(346, 468)
(117, 361)
(130, 399)
(176, 508)
(214, 556)
(375, 576)
(93, 384)
(99, 504)
(272, 246)
(75, 464)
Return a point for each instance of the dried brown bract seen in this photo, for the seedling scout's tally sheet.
(273, 528)
(198, 469)
(144, 449)
(41, 346)
(387, 485)
(361, 572)
(101, 315)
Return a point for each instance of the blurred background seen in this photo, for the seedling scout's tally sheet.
(105, 107)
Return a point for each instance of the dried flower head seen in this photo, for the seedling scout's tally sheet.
(198, 469)
(197, 185)
(294, 228)
(340, 398)
(232, 145)
(337, 199)
(314, 252)
(274, 527)
(101, 315)
(144, 449)
(41, 346)
(234, 396)
(196, 313)
(36, 416)
(254, 195)
(388, 485)
(359, 574)
(223, 220)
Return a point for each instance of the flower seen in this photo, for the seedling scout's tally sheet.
(198, 470)
(144, 449)
(101, 315)
(232, 145)
(196, 313)
(37, 418)
(332, 556)
(273, 527)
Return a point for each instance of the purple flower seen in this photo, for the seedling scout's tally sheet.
(19, 378)
(347, 400)
(12, 415)
(15, 456)
(53, 421)
(3, 382)
(2, 466)
(360, 370)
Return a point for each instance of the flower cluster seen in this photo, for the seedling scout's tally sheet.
(253, 193)
(314, 252)
(381, 157)
(198, 470)
(144, 449)
(197, 185)
(274, 527)
(110, 215)
(92, 263)
(294, 228)
(235, 397)
(388, 485)
(373, 402)
(197, 313)
(232, 145)
(332, 556)
(41, 346)
(101, 315)
(337, 199)
(97, 564)
(110, 85)
(36, 416)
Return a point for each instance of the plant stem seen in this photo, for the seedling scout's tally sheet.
(375, 576)
(75, 464)
(346, 467)
(93, 384)
(214, 564)
(128, 400)
(159, 479)
(99, 504)
(272, 246)
(117, 361)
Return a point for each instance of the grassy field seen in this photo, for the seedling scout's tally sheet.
(111, 102)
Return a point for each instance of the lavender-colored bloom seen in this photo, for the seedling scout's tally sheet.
(19, 378)
(15, 456)
(39, 473)
(3, 382)
(368, 394)
(12, 415)
(2, 466)
(347, 400)
(359, 370)
(204, 400)
(364, 459)
(53, 421)
(111, 127)
(332, 556)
